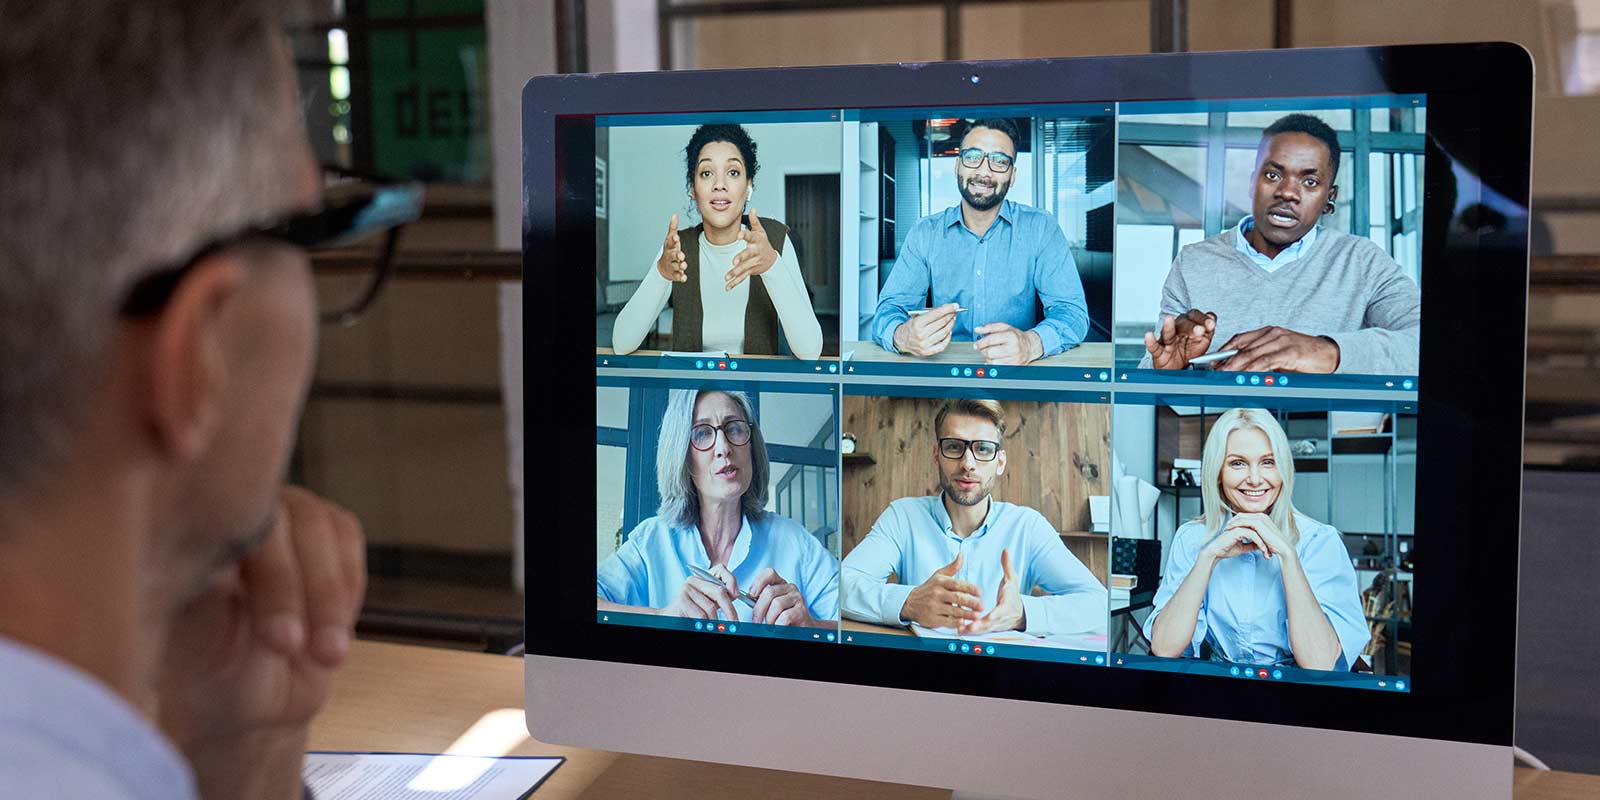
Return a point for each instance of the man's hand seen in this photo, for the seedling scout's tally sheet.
(927, 334)
(248, 664)
(1275, 349)
(1007, 614)
(673, 264)
(1182, 338)
(1003, 344)
(699, 598)
(942, 601)
(756, 258)
(779, 602)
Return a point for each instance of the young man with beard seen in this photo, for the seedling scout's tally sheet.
(989, 265)
(964, 560)
(1285, 293)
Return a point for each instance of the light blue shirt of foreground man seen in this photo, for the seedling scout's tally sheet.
(964, 560)
(989, 265)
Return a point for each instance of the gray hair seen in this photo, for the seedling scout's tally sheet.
(680, 502)
(130, 132)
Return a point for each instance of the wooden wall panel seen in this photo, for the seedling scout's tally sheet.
(1058, 455)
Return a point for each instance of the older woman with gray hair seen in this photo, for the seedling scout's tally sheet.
(712, 473)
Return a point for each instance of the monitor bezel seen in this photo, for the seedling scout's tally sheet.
(1470, 398)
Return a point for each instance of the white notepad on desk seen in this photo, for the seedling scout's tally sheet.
(1073, 641)
(421, 776)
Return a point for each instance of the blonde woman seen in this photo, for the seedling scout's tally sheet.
(1254, 578)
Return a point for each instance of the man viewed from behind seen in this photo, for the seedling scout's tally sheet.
(170, 614)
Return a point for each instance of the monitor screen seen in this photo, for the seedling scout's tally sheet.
(1113, 395)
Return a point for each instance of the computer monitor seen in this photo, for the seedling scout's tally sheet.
(1022, 425)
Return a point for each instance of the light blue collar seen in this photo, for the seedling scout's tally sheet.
(1290, 254)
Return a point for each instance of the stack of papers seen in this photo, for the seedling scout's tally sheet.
(416, 776)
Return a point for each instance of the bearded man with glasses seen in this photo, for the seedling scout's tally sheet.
(966, 562)
(989, 271)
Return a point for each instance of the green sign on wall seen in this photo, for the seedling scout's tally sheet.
(429, 89)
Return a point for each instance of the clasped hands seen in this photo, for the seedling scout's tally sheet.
(1250, 533)
(945, 601)
(1267, 349)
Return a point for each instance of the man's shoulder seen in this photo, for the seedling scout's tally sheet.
(906, 510)
(918, 504)
(1027, 516)
(933, 223)
(1210, 248)
(1336, 244)
(1032, 214)
(32, 765)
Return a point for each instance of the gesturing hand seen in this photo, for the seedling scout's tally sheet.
(779, 602)
(248, 663)
(1007, 614)
(699, 598)
(673, 264)
(756, 258)
(1275, 349)
(1182, 338)
(927, 334)
(1003, 344)
(942, 601)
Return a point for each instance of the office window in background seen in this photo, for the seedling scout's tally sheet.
(405, 424)
(398, 87)
(1185, 176)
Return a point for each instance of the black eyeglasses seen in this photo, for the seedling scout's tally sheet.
(998, 161)
(955, 449)
(736, 431)
(355, 206)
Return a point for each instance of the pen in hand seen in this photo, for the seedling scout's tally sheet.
(702, 572)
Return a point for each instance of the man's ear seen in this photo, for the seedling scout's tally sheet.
(1000, 467)
(187, 370)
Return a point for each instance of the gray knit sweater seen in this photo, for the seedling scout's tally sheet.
(1345, 288)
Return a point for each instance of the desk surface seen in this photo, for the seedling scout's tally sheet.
(867, 627)
(1088, 354)
(416, 699)
(606, 351)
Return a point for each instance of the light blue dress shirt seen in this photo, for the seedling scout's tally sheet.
(1021, 263)
(913, 538)
(1289, 255)
(64, 734)
(649, 568)
(1245, 613)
